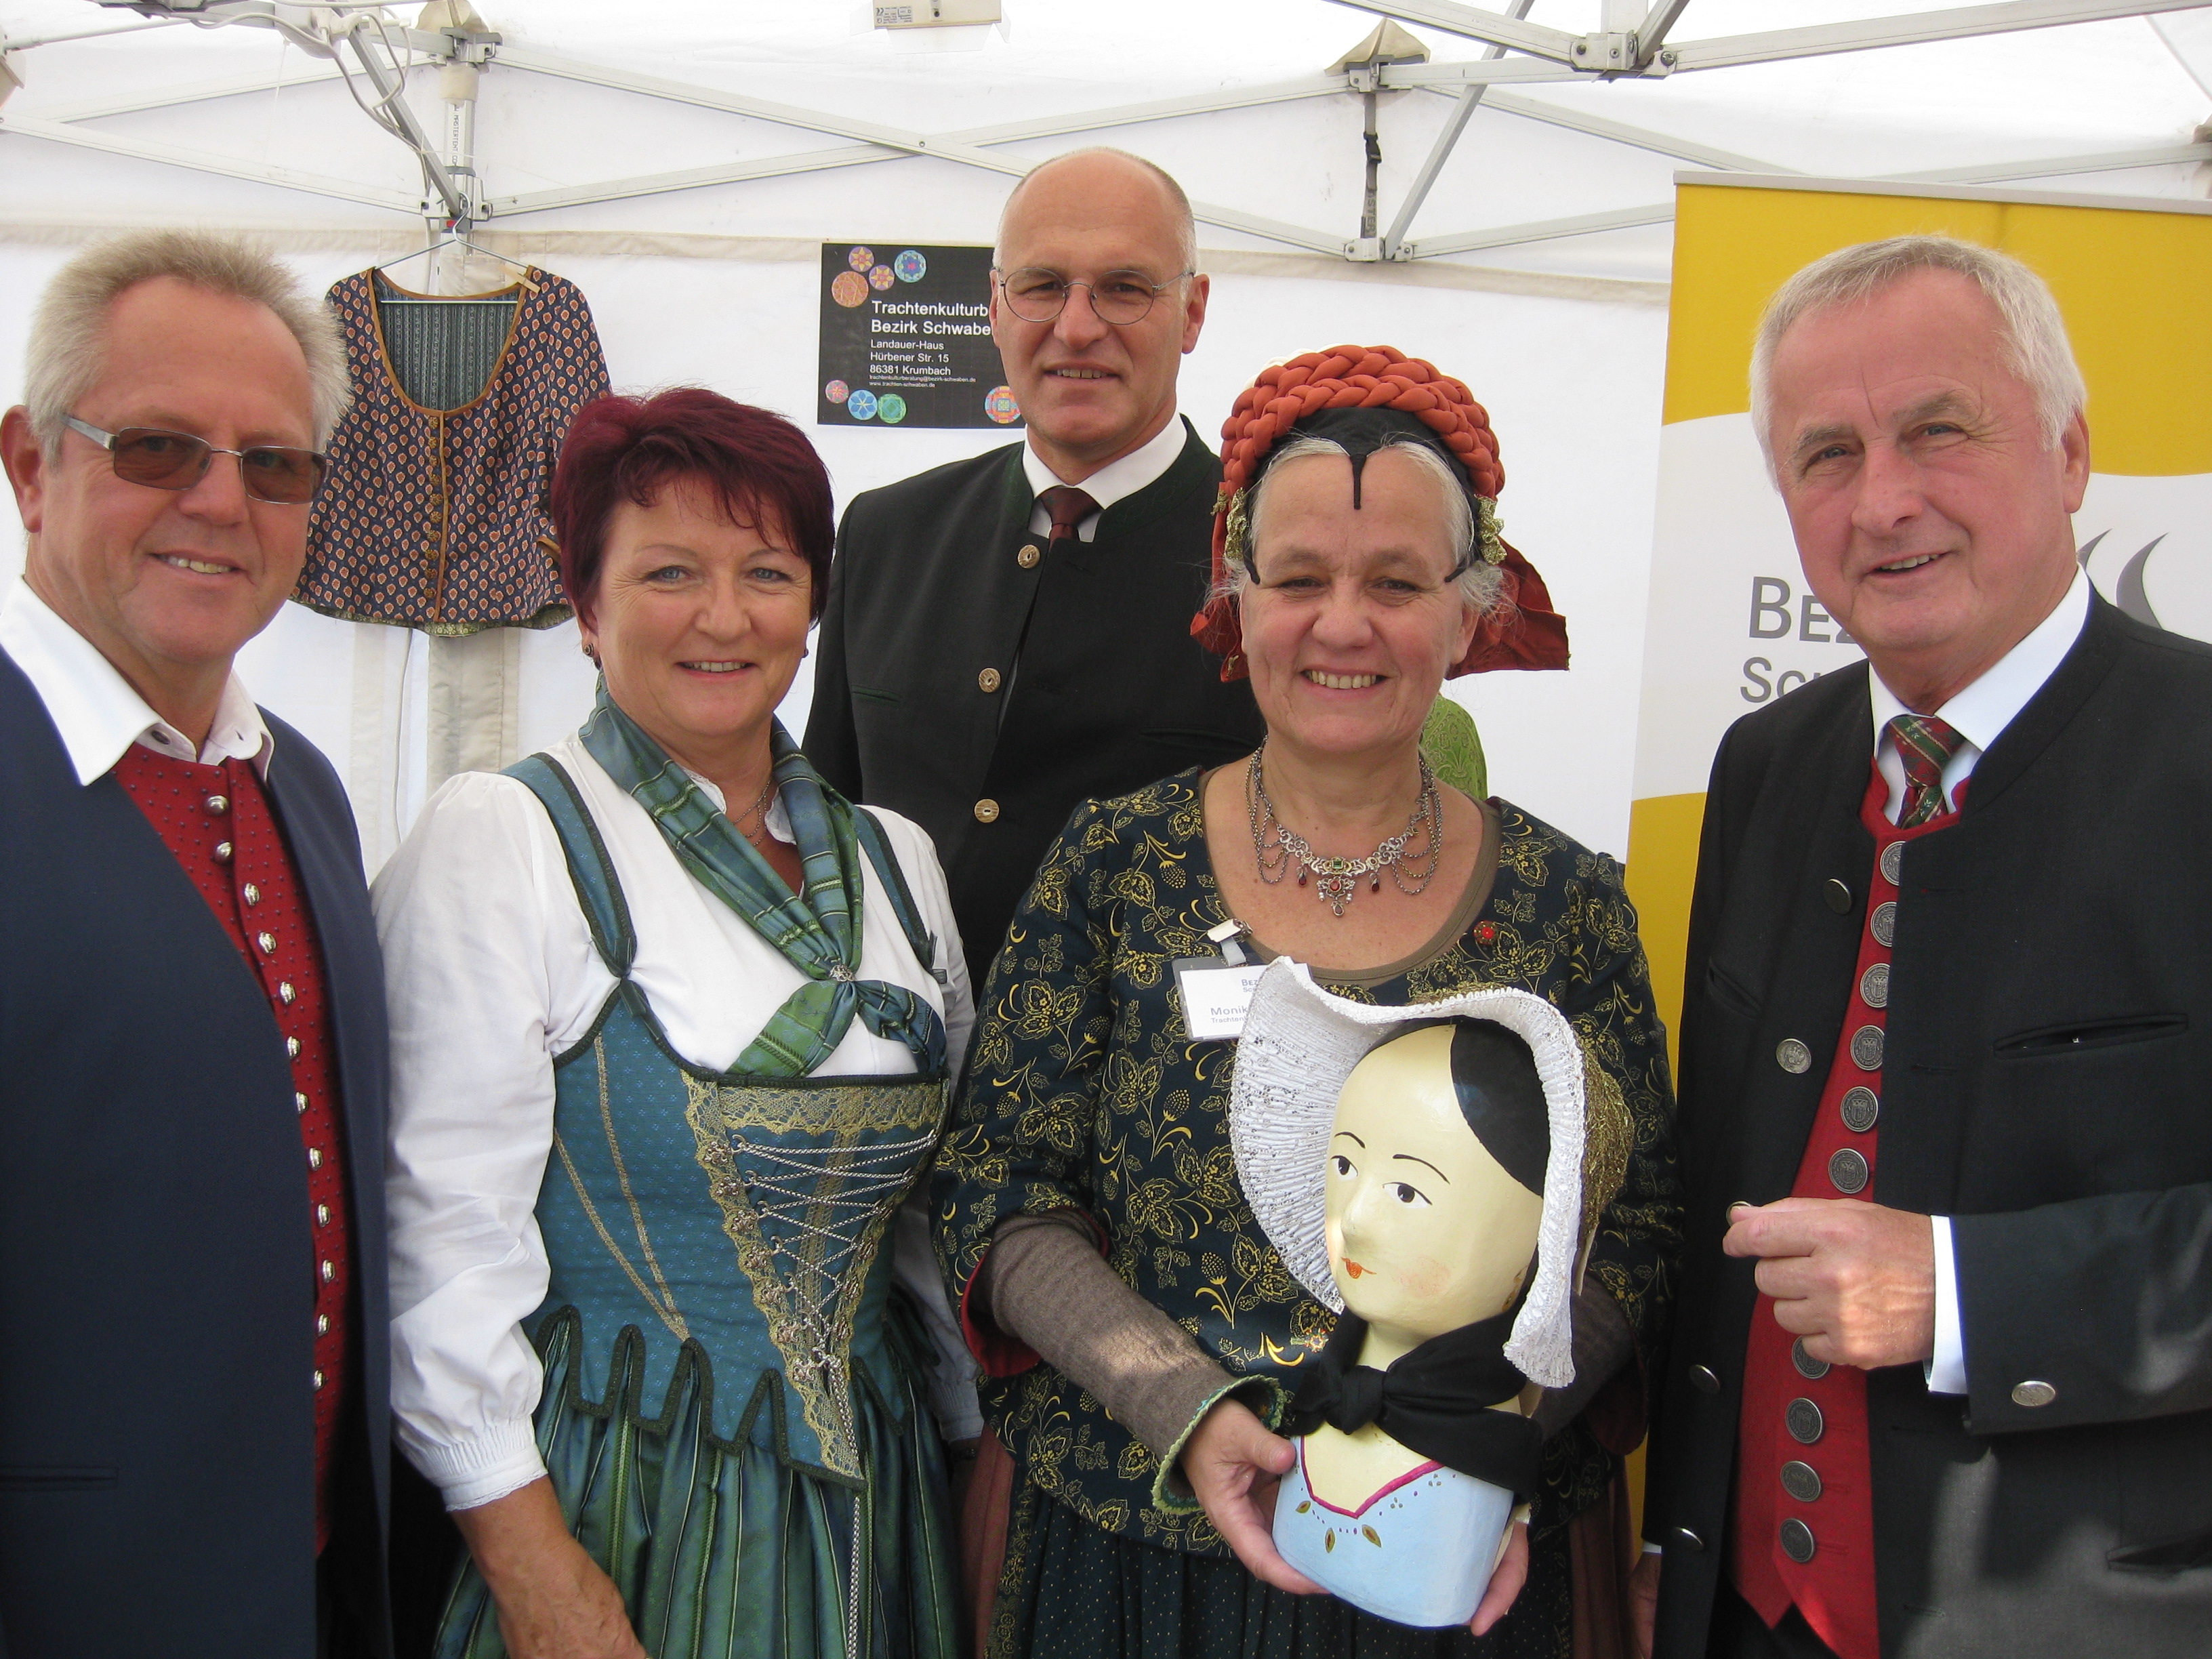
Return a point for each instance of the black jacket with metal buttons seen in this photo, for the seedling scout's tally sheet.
(2047, 1083)
(984, 691)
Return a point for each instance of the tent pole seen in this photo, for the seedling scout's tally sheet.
(1470, 95)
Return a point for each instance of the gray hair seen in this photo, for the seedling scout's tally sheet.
(67, 352)
(1185, 227)
(1479, 583)
(2034, 333)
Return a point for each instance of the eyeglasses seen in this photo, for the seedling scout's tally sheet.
(177, 460)
(1120, 297)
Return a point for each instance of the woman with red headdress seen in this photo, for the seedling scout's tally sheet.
(1141, 1335)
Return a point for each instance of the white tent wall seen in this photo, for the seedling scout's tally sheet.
(1563, 338)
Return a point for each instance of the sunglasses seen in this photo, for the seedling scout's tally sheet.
(177, 460)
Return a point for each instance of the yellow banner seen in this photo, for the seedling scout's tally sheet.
(1731, 625)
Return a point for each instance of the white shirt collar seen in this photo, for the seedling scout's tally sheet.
(1111, 482)
(98, 713)
(1982, 711)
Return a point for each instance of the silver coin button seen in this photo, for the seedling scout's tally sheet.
(1801, 1481)
(1848, 1172)
(1803, 1420)
(1874, 986)
(1860, 1106)
(1884, 923)
(1810, 1368)
(1866, 1047)
(1793, 1056)
(2032, 1395)
(1797, 1541)
(1893, 862)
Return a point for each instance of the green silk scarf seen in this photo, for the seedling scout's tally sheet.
(817, 930)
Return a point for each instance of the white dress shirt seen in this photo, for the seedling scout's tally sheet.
(99, 713)
(1142, 465)
(490, 973)
(1979, 713)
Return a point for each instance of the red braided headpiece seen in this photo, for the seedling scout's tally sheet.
(1522, 632)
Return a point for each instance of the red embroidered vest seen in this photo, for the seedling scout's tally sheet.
(1803, 1528)
(216, 821)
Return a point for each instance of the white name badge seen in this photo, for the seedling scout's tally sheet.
(1216, 996)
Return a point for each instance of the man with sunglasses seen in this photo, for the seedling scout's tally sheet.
(193, 1404)
(1009, 636)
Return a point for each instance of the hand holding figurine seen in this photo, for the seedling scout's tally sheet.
(1234, 1465)
(1506, 1579)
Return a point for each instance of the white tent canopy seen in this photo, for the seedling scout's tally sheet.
(682, 160)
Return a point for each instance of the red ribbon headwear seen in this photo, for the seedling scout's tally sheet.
(1522, 631)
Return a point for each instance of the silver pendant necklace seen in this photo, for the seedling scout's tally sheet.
(1277, 848)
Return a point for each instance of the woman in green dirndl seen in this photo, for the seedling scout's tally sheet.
(672, 1028)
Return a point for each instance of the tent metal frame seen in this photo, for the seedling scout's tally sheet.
(1634, 41)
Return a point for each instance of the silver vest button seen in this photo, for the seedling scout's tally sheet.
(1801, 1481)
(1861, 1108)
(1793, 1056)
(2032, 1394)
(1810, 1368)
(1803, 1420)
(1884, 923)
(1866, 1047)
(1797, 1541)
(1892, 863)
(1848, 1170)
(1874, 986)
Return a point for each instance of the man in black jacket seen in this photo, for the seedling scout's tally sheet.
(193, 1403)
(1941, 1383)
(1007, 636)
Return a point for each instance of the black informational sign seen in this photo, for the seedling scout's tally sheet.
(906, 338)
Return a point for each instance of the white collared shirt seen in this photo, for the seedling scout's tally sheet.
(1142, 465)
(1979, 713)
(100, 714)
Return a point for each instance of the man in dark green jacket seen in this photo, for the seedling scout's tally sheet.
(1009, 636)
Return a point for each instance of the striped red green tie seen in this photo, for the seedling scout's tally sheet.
(1926, 745)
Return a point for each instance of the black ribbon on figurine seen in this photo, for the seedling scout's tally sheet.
(1435, 1400)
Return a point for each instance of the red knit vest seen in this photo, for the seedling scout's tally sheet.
(1803, 1526)
(216, 821)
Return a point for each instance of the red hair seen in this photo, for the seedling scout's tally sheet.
(758, 464)
(1524, 631)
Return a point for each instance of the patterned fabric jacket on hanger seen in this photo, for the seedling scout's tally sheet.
(436, 519)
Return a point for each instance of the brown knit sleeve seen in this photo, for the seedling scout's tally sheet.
(1044, 1282)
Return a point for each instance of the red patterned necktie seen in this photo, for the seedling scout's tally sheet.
(1926, 745)
(1069, 507)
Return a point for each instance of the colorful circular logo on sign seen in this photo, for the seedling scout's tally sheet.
(861, 404)
(999, 404)
(861, 259)
(891, 410)
(836, 391)
(880, 278)
(910, 266)
(849, 288)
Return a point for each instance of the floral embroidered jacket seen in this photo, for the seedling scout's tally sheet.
(1082, 1090)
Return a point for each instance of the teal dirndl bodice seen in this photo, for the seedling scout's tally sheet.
(732, 1418)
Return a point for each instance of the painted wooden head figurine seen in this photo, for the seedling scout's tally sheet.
(1436, 1180)
(1422, 1171)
